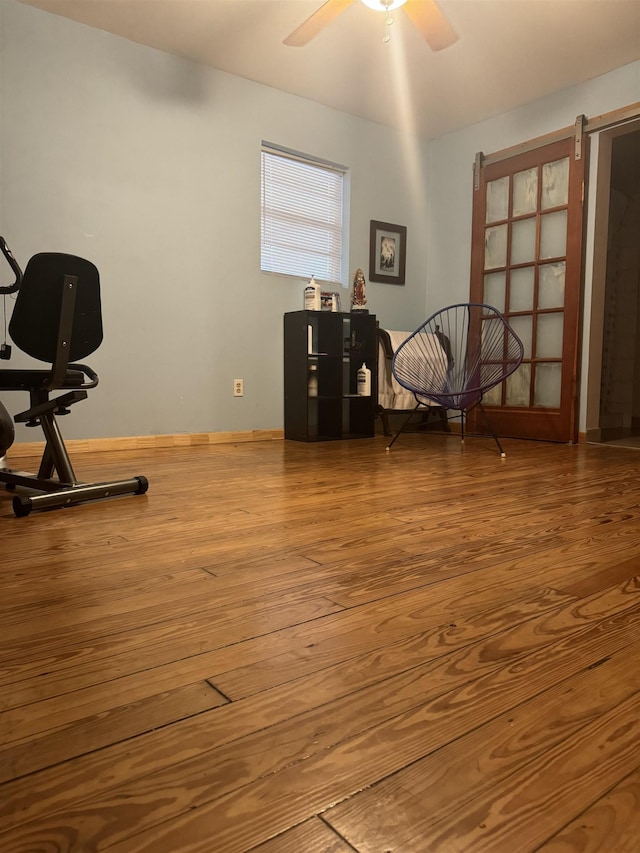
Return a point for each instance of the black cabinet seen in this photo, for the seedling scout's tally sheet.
(323, 351)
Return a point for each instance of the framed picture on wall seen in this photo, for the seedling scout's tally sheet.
(387, 252)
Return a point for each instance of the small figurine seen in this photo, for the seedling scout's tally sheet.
(358, 296)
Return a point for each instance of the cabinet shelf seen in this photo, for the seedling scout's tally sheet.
(340, 343)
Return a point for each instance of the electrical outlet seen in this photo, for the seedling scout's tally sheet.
(238, 387)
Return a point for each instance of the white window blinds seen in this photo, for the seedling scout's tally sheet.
(302, 217)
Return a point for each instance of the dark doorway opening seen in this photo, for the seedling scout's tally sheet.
(620, 376)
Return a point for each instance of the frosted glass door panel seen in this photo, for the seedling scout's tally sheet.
(495, 286)
(495, 247)
(523, 326)
(525, 192)
(521, 289)
(555, 184)
(497, 200)
(493, 397)
(549, 335)
(518, 385)
(548, 386)
(551, 285)
(492, 329)
(523, 241)
(553, 234)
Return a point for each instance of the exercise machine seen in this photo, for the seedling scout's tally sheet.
(7, 431)
(56, 319)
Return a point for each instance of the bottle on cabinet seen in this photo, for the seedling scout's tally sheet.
(312, 294)
(364, 381)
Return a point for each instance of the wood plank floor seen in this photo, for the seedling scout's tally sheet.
(292, 648)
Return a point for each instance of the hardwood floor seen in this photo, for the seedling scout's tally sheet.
(292, 648)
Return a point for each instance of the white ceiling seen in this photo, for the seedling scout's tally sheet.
(509, 52)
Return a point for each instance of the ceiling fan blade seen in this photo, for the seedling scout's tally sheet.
(317, 22)
(432, 23)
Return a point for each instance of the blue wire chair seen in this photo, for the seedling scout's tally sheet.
(455, 357)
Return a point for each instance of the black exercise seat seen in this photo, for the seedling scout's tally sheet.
(57, 319)
(25, 380)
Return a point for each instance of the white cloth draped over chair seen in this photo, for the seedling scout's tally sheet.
(393, 398)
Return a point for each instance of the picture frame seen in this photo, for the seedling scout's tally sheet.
(387, 252)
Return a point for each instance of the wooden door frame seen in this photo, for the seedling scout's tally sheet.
(562, 424)
(595, 337)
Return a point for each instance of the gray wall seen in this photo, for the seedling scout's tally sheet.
(149, 166)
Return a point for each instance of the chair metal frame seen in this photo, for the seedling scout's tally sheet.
(455, 357)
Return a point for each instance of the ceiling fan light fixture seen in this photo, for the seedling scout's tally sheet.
(432, 24)
(384, 5)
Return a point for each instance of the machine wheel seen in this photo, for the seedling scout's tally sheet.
(22, 506)
(143, 485)
(7, 431)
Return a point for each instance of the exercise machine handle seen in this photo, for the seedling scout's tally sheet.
(91, 375)
(6, 251)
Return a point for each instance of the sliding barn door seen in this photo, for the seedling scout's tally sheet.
(527, 262)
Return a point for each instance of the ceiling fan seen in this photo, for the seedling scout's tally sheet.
(425, 15)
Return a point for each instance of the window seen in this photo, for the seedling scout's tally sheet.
(302, 217)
